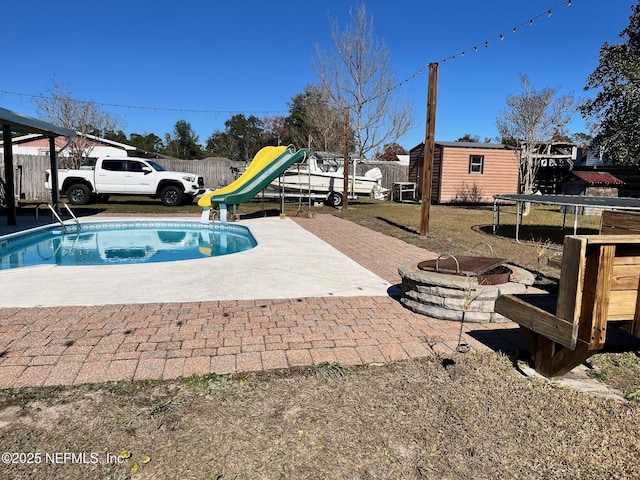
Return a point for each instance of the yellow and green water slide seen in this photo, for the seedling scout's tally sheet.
(268, 164)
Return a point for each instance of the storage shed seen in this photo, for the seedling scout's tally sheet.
(591, 184)
(467, 172)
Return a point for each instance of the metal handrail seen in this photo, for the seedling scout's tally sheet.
(55, 213)
(66, 205)
(37, 214)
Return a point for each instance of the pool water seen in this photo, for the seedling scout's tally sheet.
(118, 243)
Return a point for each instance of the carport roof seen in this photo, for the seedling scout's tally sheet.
(23, 123)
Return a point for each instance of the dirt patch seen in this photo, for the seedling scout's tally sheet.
(470, 416)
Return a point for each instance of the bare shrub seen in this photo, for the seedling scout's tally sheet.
(467, 194)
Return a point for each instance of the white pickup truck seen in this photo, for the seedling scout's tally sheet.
(127, 176)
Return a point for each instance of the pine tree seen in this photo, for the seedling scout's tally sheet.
(614, 110)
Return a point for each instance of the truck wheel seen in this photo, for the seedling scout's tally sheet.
(78, 194)
(334, 199)
(171, 196)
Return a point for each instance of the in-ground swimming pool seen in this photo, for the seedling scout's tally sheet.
(122, 242)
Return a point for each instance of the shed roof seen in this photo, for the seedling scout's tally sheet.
(598, 178)
(492, 146)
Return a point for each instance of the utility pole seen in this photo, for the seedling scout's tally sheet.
(429, 148)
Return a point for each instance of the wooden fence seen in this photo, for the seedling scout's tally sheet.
(29, 173)
(391, 172)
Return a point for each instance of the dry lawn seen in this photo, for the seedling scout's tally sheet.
(468, 416)
(457, 230)
(473, 416)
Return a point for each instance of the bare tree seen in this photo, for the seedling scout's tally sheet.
(531, 118)
(326, 121)
(312, 116)
(357, 74)
(59, 107)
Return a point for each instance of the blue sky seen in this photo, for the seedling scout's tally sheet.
(252, 57)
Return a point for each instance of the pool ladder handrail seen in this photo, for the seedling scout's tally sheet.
(55, 213)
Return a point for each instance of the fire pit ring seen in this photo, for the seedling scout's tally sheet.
(441, 287)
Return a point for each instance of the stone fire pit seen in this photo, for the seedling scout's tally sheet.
(440, 288)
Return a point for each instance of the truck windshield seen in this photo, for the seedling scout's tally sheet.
(157, 166)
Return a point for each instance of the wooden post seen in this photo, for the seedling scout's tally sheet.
(9, 191)
(345, 163)
(55, 187)
(429, 147)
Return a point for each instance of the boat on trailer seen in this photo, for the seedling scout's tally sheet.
(310, 179)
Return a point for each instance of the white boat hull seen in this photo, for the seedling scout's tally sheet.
(325, 183)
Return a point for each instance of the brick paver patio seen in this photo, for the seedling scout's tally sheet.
(75, 345)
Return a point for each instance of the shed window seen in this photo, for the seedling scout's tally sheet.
(476, 164)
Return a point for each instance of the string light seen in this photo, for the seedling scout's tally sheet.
(155, 109)
(500, 36)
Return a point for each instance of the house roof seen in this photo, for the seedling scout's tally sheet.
(37, 136)
(598, 178)
(129, 149)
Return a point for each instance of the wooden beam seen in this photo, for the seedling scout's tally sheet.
(55, 189)
(10, 198)
(595, 295)
(429, 147)
(635, 325)
(523, 310)
(571, 278)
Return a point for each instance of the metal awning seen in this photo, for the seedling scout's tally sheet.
(23, 123)
(16, 122)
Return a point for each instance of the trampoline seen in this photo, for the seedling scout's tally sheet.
(603, 203)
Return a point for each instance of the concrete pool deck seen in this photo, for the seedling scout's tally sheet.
(339, 307)
(288, 262)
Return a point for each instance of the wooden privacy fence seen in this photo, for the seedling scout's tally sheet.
(391, 172)
(29, 175)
